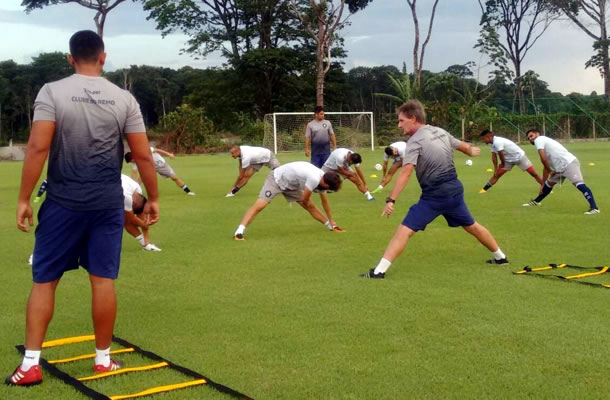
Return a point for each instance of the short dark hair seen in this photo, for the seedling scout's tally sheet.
(86, 46)
(389, 151)
(140, 207)
(413, 108)
(333, 180)
(317, 109)
(355, 158)
(535, 130)
(485, 132)
(128, 157)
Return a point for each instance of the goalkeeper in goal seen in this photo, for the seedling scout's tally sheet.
(341, 161)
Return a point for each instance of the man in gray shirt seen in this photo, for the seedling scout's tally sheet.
(430, 152)
(319, 138)
(80, 123)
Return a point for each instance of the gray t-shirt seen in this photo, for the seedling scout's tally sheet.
(430, 150)
(92, 116)
(319, 132)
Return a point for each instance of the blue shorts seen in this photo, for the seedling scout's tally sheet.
(426, 210)
(319, 159)
(66, 239)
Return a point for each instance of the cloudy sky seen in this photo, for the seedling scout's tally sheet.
(382, 34)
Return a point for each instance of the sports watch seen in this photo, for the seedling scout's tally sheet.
(390, 200)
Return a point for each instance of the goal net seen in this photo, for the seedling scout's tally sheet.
(286, 131)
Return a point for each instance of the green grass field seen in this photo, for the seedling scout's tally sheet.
(284, 315)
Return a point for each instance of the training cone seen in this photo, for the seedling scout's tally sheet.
(591, 164)
(373, 176)
(490, 170)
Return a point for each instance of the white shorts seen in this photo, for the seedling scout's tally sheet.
(165, 171)
(524, 163)
(571, 173)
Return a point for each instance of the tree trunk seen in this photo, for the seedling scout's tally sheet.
(100, 20)
(604, 51)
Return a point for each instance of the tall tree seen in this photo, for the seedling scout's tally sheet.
(322, 19)
(521, 22)
(419, 52)
(590, 16)
(101, 8)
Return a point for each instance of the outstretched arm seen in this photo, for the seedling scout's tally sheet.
(548, 170)
(468, 149)
(140, 151)
(163, 152)
(494, 160)
(399, 186)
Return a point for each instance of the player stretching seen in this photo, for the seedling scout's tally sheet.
(397, 152)
(510, 155)
(162, 167)
(135, 223)
(340, 161)
(430, 152)
(251, 159)
(559, 164)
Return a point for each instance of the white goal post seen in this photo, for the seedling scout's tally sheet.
(285, 131)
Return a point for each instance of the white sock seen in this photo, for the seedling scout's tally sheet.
(368, 195)
(498, 255)
(328, 225)
(140, 240)
(383, 266)
(31, 358)
(240, 230)
(102, 357)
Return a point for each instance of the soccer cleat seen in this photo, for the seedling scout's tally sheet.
(592, 211)
(531, 203)
(498, 262)
(31, 377)
(150, 247)
(379, 189)
(482, 191)
(36, 199)
(113, 366)
(239, 236)
(372, 275)
(191, 193)
(230, 195)
(337, 229)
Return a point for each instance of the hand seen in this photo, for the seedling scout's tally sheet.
(171, 155)
(388, 209)
(24, 211)
(151, 211)
(307, 153)
(475, 151)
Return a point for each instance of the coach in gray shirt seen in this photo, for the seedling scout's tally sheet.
(430, 152)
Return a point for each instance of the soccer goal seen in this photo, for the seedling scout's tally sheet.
(285, 131)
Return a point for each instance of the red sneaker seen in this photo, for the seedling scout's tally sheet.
(31, 377)
(113, 366)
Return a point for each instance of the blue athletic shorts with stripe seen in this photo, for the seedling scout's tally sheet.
(66, 239)
(423, 212)
(319, 159)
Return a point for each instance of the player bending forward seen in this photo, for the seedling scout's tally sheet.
(135, 223)
(559, 164)
(251, 160)
(395, 151)
(162, 168)
(510, 155)
(296, 181)
(430, 152)
(341, 161)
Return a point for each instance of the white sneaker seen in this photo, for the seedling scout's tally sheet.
(230, 195)
(531, 203)
(592, 211)
(191, 193)
(151, 247)
(31, 259)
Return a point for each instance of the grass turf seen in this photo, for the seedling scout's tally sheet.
(284, 315)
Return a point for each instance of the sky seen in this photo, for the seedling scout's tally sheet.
(381, 34)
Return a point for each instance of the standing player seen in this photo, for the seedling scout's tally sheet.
(251, 159)
(430, 152)
(510, 155)
(162, 167)
(559, 164)
(319, 138)
(396, 151)
(340, 161)
(82, 120)
(296, 181)
(135, 223)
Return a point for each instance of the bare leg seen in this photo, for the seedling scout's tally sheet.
(103, 310)
(313, 210)
(326, 206)
(483, 236)
(398, 242)
(497, 175)
(177, 181)
(257, 207)
(41, 304)
(535, 175)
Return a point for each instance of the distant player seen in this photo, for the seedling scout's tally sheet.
(135, 223)
(251, 160)
(395, 151)
(430, 152)
(510, 154)
(319, 138)
(162, 168)
(341, 161)
(296, 181)
(559, 164)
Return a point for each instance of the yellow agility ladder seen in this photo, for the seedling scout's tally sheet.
(593, 271)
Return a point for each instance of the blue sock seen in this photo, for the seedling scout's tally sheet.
(546, 189)
(587, 193)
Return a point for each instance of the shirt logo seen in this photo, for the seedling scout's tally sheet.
(268, 193)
